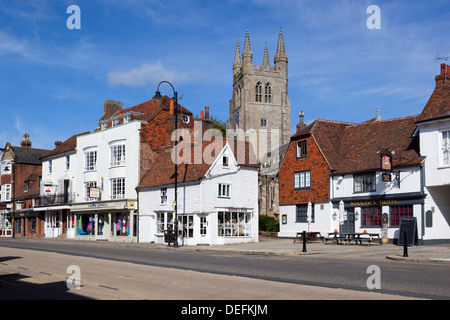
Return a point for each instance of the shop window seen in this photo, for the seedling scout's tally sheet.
(398, 212)
(33, 225)
(371, 216)
(186, 226)
(86, 224)
(164, 221)
(121, 225)
(234, 224)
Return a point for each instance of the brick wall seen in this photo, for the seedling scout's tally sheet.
(319, 191)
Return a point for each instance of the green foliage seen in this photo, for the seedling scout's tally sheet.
(267, 223)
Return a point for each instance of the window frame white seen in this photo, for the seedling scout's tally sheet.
(90, 160)
(117, 188)
(223, 190)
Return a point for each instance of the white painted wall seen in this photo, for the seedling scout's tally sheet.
(101, 141)
(200, 198)
(436, 173)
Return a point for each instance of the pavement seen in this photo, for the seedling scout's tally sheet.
(428, 253)
(431, 253)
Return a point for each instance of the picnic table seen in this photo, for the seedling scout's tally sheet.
(346, 238)
(310, 236)
(362, 236)
(334, 236)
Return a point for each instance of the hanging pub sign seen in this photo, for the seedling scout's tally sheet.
(386, 166)
(386, 163)
(386, 177)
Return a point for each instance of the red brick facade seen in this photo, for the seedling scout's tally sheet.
(314, 161)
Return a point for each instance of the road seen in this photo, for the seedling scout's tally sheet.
(126, 272)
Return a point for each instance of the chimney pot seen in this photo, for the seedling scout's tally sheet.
(201, 114)
(172, 107)
(26, 143)
(207, 112)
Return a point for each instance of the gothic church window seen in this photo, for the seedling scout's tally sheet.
(258, 92)
(268, 93)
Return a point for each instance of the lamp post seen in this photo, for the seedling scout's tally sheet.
(175, 100)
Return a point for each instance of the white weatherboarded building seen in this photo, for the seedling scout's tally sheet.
(217, 196)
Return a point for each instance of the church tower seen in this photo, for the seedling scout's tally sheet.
(260, 104)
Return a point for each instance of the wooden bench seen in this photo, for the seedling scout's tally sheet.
(310, 236)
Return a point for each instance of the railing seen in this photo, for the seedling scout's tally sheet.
(64, 198)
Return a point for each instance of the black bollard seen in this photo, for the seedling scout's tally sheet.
(405, 244)
(304, 241)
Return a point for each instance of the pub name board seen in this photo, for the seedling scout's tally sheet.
(373, 203)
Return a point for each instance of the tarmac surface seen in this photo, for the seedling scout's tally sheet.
(428, 253)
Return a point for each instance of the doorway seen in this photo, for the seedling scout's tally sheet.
(349, 221)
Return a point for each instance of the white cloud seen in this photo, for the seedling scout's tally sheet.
(9, 44)
(147, 74)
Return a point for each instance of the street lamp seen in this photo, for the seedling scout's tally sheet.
(175, 100)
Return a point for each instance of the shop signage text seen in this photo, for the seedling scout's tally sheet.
(373, 203)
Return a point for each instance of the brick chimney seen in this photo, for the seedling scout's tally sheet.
(26, 143)
(301, 123)
(110, 108)
(443, 77)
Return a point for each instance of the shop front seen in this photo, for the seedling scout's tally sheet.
(109, 220)
(5, 222)
(366, 214)
(27, 223)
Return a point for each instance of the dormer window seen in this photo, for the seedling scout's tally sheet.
(302, 151)
(225, 161)
(127, 118)
(115, 122)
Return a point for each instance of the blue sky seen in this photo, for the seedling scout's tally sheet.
(53, 80)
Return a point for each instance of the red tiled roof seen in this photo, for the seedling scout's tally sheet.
(68, 145)
(438, 106)
(162, 171)
(361, 144)
(351, 147)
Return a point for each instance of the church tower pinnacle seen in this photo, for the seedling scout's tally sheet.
(237, 64)
(247, 54)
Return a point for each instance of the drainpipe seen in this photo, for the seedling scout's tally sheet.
(422, 205)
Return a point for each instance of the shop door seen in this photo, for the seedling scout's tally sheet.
(349, 221)
(204, 230)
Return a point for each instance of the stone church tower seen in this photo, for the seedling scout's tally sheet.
(260, 108)
(260, 99)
